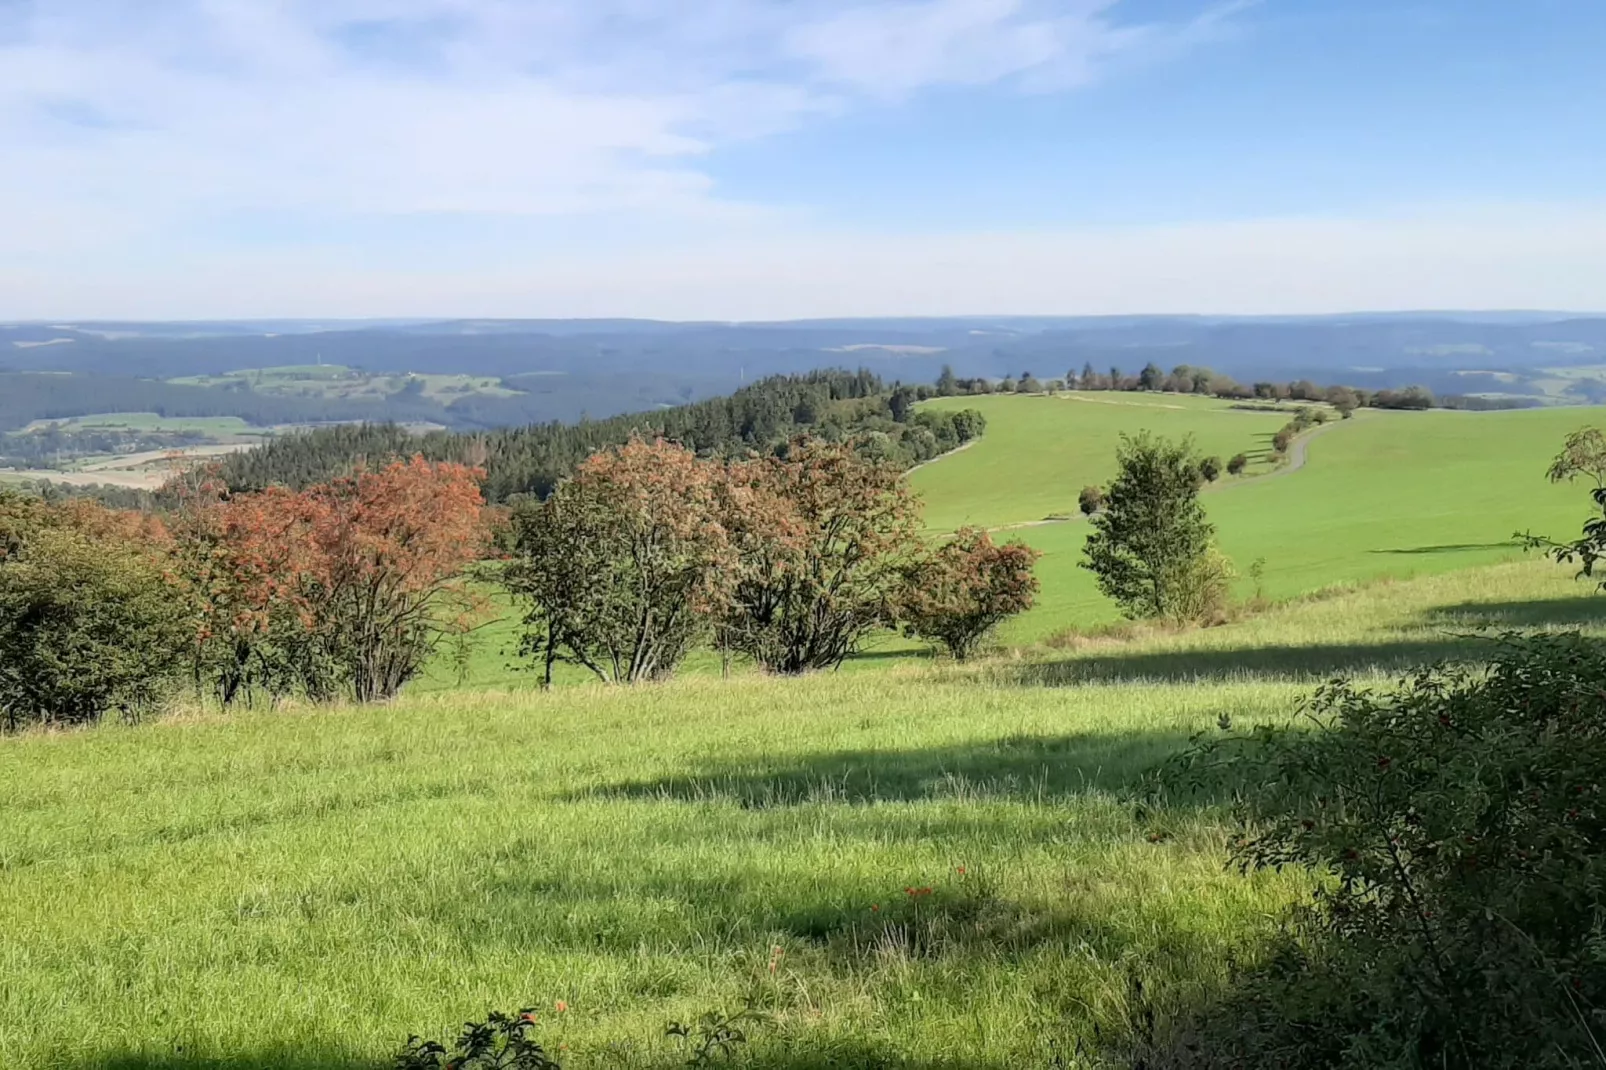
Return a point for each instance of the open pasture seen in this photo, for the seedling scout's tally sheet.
(303, 888)
(1040, 450)
(1385, 494)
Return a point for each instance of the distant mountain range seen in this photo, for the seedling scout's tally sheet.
(602, 367)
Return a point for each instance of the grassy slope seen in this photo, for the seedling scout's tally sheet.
(1040, 451)
(303, 888)
(1385, 494)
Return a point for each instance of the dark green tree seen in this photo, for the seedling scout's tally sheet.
(1237, 464)
(89, 625)
(1210, 469)
(1152, 537)
(1151, 377)
(947, 382)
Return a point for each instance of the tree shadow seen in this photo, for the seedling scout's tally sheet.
(1020, 766)
(1538, 613)
(1453, 548)
(267, 1059)
(853, 1054)
(1296, 664)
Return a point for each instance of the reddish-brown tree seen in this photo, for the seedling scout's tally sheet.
(623, 566)
(389, 549)
(965, 588)
(249, 566)
(824, 539)
(353, 582)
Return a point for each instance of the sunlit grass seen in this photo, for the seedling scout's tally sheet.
(305, 887)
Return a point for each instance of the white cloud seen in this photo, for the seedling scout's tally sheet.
(123, 118)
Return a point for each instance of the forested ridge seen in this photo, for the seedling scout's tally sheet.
(833, 405)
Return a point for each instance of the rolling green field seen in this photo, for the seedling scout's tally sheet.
(338, 381)
(304, 888)
(1039, 451)
(1385, 494)
(150, 421)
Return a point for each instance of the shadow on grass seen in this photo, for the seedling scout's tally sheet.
(1024, 766)
(1453, 548)
(271, 1059)
(1584, 611)
(771, 1054)
(1300, 664)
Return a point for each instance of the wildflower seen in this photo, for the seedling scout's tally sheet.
(876, 907)
(1383, 762)
(960, 870)
(528, 1016)
(560, 1006)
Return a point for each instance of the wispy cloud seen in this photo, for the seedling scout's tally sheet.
(128, 116)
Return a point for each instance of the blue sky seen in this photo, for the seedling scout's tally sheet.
(744, 159)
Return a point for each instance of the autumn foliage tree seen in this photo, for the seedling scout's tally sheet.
(824, 540)
(248, 565)
(623, 567)
(960, 592)
(350, 584)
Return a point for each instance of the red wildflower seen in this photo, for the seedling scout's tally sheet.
(960, 870)
(560, 1006)
(875, 907)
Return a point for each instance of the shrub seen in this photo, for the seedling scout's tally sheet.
(501, 1042)
(1146, 544)
(1237, 464)
(89, 625)
(1091, 500)
(623, 567)
(1210, 469)
(965, 588)
(824, 540)
(1282, 439)
(1201, 589)
(1458, 826)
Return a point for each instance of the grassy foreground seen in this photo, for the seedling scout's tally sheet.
(305, 888)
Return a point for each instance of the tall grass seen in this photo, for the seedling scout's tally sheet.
(304, 888)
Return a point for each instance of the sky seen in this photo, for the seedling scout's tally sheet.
(770, 159)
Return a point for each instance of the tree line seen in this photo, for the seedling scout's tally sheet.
(348, 587)
(1189, 379)
(836, 405)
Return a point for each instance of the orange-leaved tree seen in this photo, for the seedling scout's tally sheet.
(249, 564)
(622, 568)
(351, 583)
(965, 588)
(824, 540)
(390, 549)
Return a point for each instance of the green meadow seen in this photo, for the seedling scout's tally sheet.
(1386, 494)
(304, 887)
(1041, 450)
(903, 864)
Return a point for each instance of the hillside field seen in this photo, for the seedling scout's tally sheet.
(1384, 494)
(304, 888)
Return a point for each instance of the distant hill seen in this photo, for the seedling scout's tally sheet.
(565, 369)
